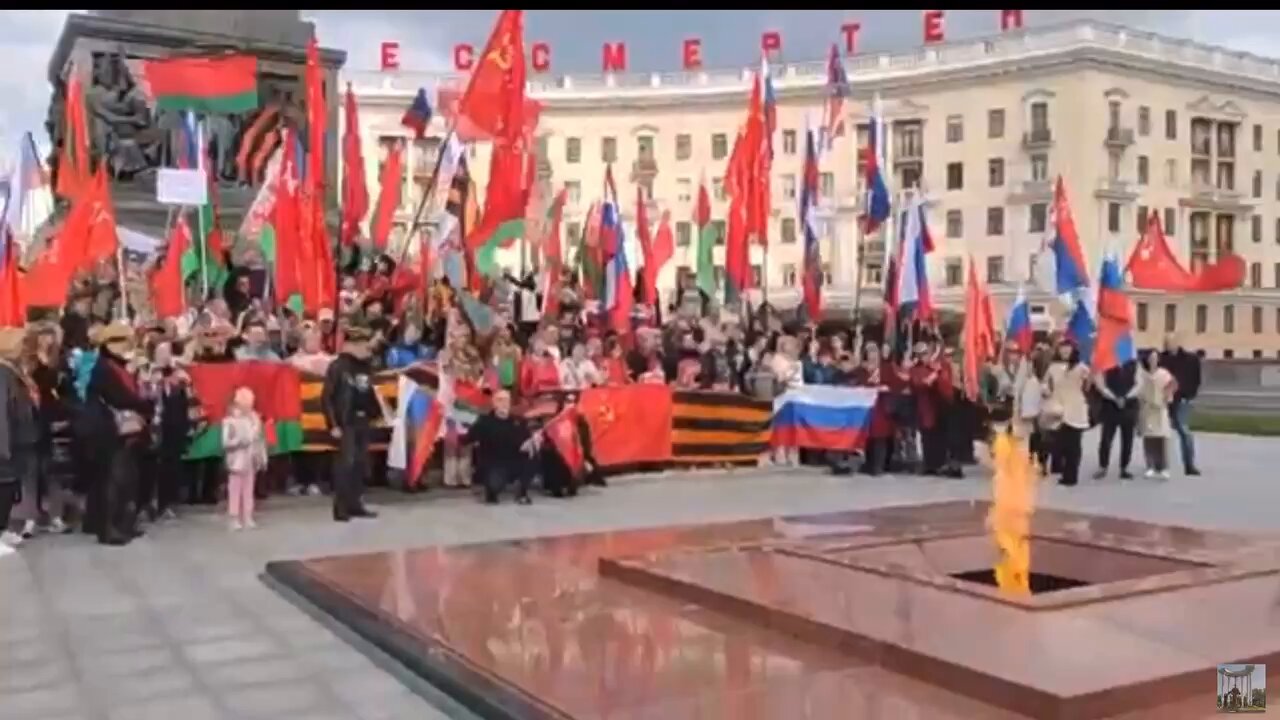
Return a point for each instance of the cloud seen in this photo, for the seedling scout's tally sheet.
(26, 42)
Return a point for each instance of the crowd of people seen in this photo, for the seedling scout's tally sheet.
(97, 415)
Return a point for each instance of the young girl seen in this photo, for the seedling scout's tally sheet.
(246, 456)
(1155, 391)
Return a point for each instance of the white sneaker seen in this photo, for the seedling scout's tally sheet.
(6, 550)
(57, 526)
(11, 539)
(314, 491)
(1164, 475)
(236, 526)
(28, 529)
(1149, 474)
(250, 525)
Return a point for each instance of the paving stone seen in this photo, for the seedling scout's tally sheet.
(252, 672)
(185, 707)
(31, 675)
(240, 648)
(39, 703)
(125, 663)
(269, 701)
(165, 682)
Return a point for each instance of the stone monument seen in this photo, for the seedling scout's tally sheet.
(105, 48)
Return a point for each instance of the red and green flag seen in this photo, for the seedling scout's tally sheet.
(277, 400)
(221, 84)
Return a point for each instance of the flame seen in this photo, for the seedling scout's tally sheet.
(1013, 489)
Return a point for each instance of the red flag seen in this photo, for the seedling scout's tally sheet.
(390, 181)
(315, 257)
(168, 297)
(103, 240)
(649, 288)
(664, 247)
(355, 191)
(505, 197)
(736, 257)
(448, 99)
(285, 219)
(1152, 266)
(630, 424)
(758, 164)
(979, 340)
(13, 309)
(493, 103)
(562, 432)
(73, 164)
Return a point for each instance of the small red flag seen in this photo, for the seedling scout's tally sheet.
(390, 182)
(355, 191)
(493, 103)
(168, 297)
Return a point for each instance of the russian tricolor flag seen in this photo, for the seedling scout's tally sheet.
(618, 291)
(418, 116)
(823, 417)
(1070, 268)
(837, 90)
(419, 421)
(877, 210)
(1018, 329)
(770, 104)
(915, 242)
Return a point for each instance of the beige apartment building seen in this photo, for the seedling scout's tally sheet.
(1134, 122)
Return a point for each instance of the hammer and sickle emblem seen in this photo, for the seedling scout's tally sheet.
(502, 56)
(606, 414)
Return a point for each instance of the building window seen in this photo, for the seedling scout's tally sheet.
(1142, 317)
(1113, 217)
(573, 150)
(684, 233)
(717, 188)
(573, 192)
(1170, 221)
(875, 273)
(1255, 226)
(1039, 119)
(1255, 275)
(955, 224)
(572, 232)
(1278, 326)
(717, 231)
(1144, 120)
(1257, 354)
(788, 230)
(995, 270)
(955, 176)
(955, 129)
(1226, 140)
(1257, 138)
(1039, 167)
(1170, 124)
(995, 221)
(789, 142)
(954, 270)
(1228, 319)
(827, 185)
(1276, 272)
(1257, 319)
(644, 147)
(609, 150)
(1143, 217)
(789, 275)
(1170, 173)
(1202, 319)
(719, 146)
(684, 190)
(1170, 318)
(757, 276)
(995, 123)
(1228, 354)
(684, 146)
(1143, 170)
(789, 186)
(1257, 184)
(1037, 217)
(995, 172)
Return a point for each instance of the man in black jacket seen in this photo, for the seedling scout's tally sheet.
(504, 448)
(1185, 368)
(1118, 411)
(350, 405)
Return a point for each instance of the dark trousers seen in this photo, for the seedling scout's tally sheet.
(8, 493)
(498, 476)
(556, 478)
(934, 442)
(111, 512)
(351, 471)
(148, 480)
(171, 476)
(963, 424)
(313, 468)
(206, 479)
(1039, 446)
(1068, 451)
(1116, 420)
(877, 455)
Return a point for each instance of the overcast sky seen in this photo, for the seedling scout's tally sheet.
(730, 37)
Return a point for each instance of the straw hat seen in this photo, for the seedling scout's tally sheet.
(114, 332)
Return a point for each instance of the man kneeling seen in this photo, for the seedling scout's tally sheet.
(504, 449)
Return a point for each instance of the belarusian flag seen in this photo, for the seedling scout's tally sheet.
(277, 400)
(706, 268)
(225, 84)
(503, 220)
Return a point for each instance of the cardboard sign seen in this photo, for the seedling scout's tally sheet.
(182, 187)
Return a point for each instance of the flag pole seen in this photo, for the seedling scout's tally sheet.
(203, 241)
(428, 192)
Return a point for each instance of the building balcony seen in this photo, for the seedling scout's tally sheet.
(644, 168)
(1037, 139)
(1119, 138)
(1031, 191)
(1116, 189)
(1203, 196)
(908, 153)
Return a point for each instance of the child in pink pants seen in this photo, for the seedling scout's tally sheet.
(246, 456)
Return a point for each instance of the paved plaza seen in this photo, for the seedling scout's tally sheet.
(179, 626)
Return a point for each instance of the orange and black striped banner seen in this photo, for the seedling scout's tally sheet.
(315, 433)
(717, 428)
